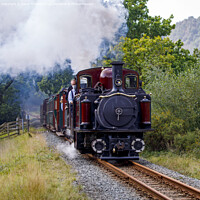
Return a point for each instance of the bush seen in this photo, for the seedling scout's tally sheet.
(188, 143)
(178, 95)
(166, 127)
(175, 111)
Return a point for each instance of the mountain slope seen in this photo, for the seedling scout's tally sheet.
(188, 31)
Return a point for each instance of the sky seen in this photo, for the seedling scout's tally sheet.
(181, 9)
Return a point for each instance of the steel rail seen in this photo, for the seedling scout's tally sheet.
(130, 178)
(186, 188)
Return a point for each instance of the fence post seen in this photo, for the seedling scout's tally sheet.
(22, 125)
(28, 122)
(17, 126)
(8, 130)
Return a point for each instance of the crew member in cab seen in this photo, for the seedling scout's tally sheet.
(72, 92)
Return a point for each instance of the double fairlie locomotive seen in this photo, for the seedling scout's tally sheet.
(109, 114)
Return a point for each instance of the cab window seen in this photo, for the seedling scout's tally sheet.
(130, 81)
(85, 81)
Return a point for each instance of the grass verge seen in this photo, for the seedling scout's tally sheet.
(29, 170)
(184, 164)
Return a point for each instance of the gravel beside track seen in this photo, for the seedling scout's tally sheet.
(96, 182)
(99, 184)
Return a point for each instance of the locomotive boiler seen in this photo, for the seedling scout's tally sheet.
(110, 114)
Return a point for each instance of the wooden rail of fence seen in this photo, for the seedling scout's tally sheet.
(9, 129)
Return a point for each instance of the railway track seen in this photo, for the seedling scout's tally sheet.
(153, 183)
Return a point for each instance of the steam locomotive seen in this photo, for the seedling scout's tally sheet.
(108, 117)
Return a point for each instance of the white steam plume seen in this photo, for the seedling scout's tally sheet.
(68, 150)
(36, 34)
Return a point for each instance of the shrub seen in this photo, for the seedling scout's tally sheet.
(166, 127)
(188, 143)
(175, 110)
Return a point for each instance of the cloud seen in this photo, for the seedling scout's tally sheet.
(36, 34)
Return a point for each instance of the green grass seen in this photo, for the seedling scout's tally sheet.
(29, 170)
(5, 135)
(184, 164)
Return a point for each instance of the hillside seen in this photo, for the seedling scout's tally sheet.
(188, 31)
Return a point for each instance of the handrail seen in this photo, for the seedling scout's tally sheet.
(118, 93)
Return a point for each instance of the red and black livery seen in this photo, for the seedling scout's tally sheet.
(110, 113)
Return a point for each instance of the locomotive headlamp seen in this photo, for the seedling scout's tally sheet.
(138, 145)
(118, 82)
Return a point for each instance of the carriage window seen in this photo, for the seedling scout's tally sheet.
(85, 81)
(130, 81)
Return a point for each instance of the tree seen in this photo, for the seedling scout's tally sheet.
(9, 104)
(55, 80)
(5, 82)
(139, 22)
(28, 91)
(148, 55)
(183, 57)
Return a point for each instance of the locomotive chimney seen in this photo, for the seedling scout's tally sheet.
(117, 76)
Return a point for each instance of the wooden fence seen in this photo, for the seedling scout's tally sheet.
(9, 129)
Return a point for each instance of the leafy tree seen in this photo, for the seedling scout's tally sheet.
(5, 83)
(183, 57)
(139, 22)
(55, 80)
(148, 55)
(9, 104)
